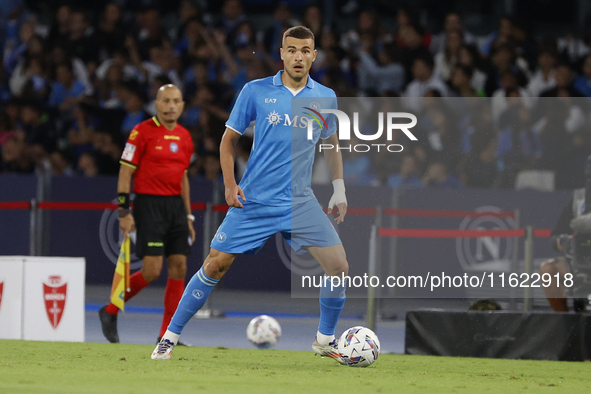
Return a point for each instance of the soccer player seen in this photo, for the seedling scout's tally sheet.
(157, 156)
(274, 194)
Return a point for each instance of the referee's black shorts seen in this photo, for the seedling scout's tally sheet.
(161, 223)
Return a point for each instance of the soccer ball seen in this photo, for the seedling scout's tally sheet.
(263, 331)
(359, 346)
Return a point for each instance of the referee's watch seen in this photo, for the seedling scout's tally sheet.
(191, 217)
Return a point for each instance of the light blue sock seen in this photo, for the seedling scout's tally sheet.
(194, 297)
(332, 302)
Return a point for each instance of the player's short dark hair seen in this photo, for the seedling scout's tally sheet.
(299, 32)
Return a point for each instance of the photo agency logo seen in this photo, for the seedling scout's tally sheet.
(392, 122)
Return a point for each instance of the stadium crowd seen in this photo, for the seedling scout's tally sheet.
(73, 83)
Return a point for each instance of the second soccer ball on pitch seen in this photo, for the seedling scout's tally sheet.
(359, 346)
(263, 331)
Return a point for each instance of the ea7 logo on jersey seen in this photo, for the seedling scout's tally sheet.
(128, 152)
(270, 100)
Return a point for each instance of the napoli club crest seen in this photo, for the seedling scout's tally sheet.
(174, 148)
(54, 294)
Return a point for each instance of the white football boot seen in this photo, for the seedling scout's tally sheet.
(163, 350)
(331, 350)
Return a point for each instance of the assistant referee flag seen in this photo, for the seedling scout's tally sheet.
(121, 277)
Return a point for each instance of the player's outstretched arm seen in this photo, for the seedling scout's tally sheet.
(227, 159)
(334, 160)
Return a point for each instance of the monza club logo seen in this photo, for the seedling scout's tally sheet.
(54, 295)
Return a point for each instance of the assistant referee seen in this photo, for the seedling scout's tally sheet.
(157, 156)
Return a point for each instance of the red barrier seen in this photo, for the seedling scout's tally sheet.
(15, 205)
(220, 208)
(434, 213)
(198, 206)
(542, 233)
(429, 233)
(76, 206)
(353, 211)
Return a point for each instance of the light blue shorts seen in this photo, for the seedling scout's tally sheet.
(246, 230)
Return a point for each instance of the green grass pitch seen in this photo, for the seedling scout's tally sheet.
(45, 367)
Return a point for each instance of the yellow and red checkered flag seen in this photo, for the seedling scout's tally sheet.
(121, 277)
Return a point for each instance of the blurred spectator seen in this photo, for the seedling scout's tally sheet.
(82, 41)
(14, 51)
(387, 76)
(189, 10)
(209, 167)
(187, 48)
(232, 17)
(67, 91)
(437, 176)
(368, 28)
(519, 143)
(273, 36)
(423, 80)
(357, 168)
(470, 57)
(480, 167)
(544, 77)
(441, 137)
(29, 79)
(120, 58)
(107, 90)
(564, 80)
(412, 43)
(110, 34)
(160, 61)
(14, 158)
(87, 164)
(583, 81)
(150, 35)
(134, 109)
(503, 62)
(556, 143)
(572, 48)
(499, 97)
(405, 19)
(38, 130)
(6, 128)
(60, 30)
(446, 60)
(408, 177)
(461, 82)
(314, 21)
(61, 163)
(452, 24)
(108, 152)
(60, 54)
(503, 37)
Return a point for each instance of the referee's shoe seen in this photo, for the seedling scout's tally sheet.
(109, 325)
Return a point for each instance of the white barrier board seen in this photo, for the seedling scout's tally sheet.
(11, 296)
(54, 299)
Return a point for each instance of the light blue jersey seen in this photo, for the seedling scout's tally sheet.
(279, 169)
